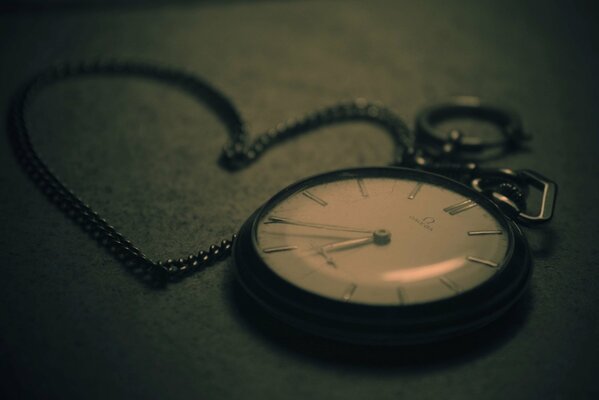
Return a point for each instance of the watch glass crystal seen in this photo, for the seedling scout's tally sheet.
(381, 240)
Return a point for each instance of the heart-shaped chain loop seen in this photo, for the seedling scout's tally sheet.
(237, 154)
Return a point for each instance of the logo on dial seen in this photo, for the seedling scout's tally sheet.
(425, 222)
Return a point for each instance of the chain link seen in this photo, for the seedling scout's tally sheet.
(236, 155)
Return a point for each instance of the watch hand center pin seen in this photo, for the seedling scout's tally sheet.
(381, 237)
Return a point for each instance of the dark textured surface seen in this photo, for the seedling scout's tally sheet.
(74, 324)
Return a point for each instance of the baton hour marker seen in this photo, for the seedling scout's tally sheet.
(362, 187)
(460, 207)
(401, 296)
(314, 198)
(483, 233)
(278, 249)
(349, 292)
(415, 191)
(450, 284)
(488, 263)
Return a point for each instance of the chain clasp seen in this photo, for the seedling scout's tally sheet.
(510, 189)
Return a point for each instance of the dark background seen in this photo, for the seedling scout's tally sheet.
(75, 324)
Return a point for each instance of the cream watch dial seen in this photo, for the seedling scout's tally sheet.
(381, 241)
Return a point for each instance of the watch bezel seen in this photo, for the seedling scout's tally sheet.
(383, 324)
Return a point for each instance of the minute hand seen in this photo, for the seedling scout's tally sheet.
(282, 220)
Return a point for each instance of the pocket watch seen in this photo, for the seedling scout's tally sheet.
(418, 251)
(382, 255)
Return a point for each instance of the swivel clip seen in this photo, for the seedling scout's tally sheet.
(511, 191)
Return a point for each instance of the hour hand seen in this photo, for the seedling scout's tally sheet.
(347, 244)
(379, 237)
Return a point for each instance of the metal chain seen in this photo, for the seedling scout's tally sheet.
(239, 153)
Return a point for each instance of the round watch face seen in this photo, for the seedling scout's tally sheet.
(381, 240)
(381, 246)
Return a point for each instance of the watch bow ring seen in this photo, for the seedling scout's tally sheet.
(457, 145)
